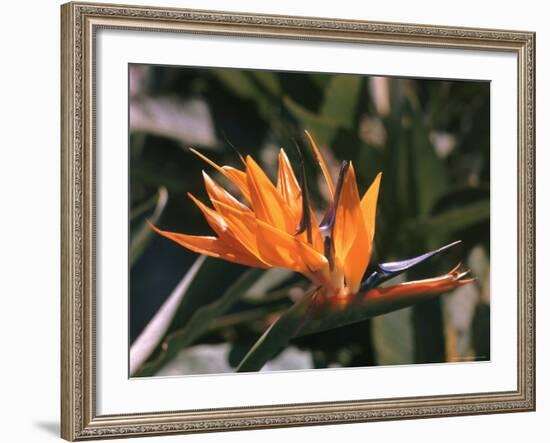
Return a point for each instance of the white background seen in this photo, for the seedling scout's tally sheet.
(29, 234)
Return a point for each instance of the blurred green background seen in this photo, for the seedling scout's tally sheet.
(430, 138)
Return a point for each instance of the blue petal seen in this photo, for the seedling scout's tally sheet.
(386, 271)
(400, 266)
(327, 223)
(305, 219)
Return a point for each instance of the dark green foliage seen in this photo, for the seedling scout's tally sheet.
(429, 197)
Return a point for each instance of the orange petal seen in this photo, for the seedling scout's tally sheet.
(215, 220)
(322, 163)
(368, 205)
(288, 186)
(267, 203)
(216, 192)
(242, 224)
(318, 242)
(211, 246)
(352, 245)
(272, 246)
(222, 229)
(236, 176)
(286, 251)
(434, 285)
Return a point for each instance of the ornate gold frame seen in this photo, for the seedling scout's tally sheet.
(79, 420)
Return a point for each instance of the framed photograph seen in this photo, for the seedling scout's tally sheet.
(281, 221)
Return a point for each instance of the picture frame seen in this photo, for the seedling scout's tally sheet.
(80, 178)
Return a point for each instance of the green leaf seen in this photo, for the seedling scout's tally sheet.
(480, 325)
(237, 81)
(200, 322)
(141, 239)
(269, 280)
(429, 341)
(144, 207)
(450, 221)
(268, 81)
(392, 336)
(324, 128)
(341, 100)
(205, 289)
(249, 86)
(246, 316)
(200, 291)
(151, 336)
(362, 308)
(428, 170)
(276, 336)
(396, 188)
(320, 80)
(152, 174)
(308, 317)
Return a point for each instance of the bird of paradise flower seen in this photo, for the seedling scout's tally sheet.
(274, 225)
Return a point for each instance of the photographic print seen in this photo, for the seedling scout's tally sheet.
(256, 206)
(305, 221)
